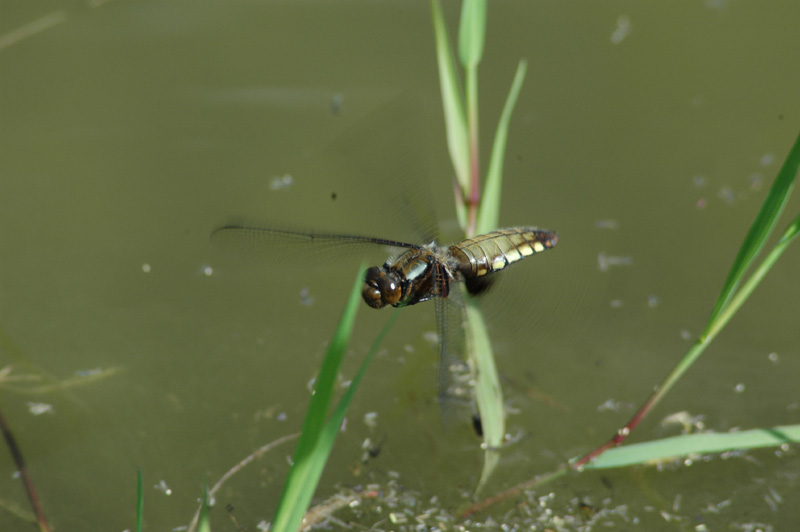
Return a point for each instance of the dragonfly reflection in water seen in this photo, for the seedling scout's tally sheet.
(419, 273)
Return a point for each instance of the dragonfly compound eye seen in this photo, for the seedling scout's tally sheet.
(380, 288)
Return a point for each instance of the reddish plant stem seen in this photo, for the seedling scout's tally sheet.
(475, 190)
(622, 433)
(23, 471)
(617, 439)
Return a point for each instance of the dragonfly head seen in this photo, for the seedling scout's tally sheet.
(381, 288)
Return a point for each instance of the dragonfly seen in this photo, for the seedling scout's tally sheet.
(416, 273)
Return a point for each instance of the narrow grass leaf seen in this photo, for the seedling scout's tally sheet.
(302, 479)
(731, 298)
(472, 32)
(139, 500)
(489, 211)
(752, 282)
(488, 393)
(695, 444)
(762, 226)
(203, 523)
(337, 417)
(332, 426)
(729, 302)
(471, 36)
(452, 101)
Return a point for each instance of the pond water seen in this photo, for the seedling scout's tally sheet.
(646, 135)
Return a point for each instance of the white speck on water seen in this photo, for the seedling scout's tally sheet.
(89, 372)
(306, 299)
(622, 30)
(146, 268)
(604, 262)
(739, 388)
(727, 195)
(37, 409)
(606, 224)
(756, 181)
(162, 487)
(281, 182)
(431, 337)
(371, 419)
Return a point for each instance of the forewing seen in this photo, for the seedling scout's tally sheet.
(284, 247)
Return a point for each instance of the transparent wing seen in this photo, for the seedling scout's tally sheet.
(454, 377)
(277, 246)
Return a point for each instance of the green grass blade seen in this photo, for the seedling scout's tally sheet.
(471, 36)
(139, 500)
(762, 226)
(732, 297)
(203, 523)
(488, 392)
(489, 211)
(472, 32)
(452, 101)
(752, 282)
(728, 303)
(695, 444)
(302, 479)
(337, 417)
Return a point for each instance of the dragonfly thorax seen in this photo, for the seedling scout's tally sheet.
(406, 280)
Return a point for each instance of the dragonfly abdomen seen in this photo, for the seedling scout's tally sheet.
(494, 251)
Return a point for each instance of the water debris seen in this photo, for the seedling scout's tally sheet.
(622, 30)
(604, 262)
(612, 405)
(37, 409)
(306, 299)
(756, 181)
(699, 181)
(336, 104)
(432, 337)
(281, 182)
(727, 195)
(606, 224)
(146, 268)
(163, 488)
(371, 419)
(689, 424)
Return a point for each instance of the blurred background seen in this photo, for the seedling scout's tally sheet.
(646, 135)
